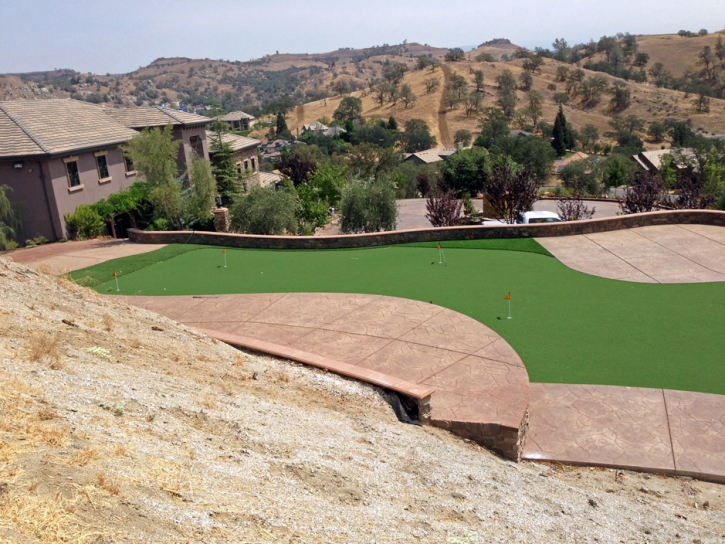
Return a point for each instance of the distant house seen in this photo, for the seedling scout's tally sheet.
(245, 151)
(334, 131)
(238, 120)
(314, 128)
(559, 164)
(429, 156)
(520, 133)
(58, 154)
(271, 150)
(652, 160)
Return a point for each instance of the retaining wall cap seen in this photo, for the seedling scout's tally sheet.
(351, 371)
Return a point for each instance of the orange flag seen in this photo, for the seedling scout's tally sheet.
(507, 297)
(439, 245)
(115, 274)
(224, 251)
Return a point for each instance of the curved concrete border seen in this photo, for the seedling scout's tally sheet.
(477, 232)
(479, 386)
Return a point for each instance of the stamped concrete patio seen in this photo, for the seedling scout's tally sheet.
(480, 388)
(661, 254)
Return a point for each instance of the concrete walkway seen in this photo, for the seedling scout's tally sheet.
(480, 386)
(661, 254)
(62, 258)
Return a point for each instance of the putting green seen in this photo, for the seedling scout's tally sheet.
(568, 327)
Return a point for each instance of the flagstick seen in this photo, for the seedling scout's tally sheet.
(115, 275)
(224, 251)
(509, 308)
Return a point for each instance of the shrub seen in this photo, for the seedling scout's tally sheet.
(444, 208)
(6, 214)
(265, 210)
(84, 223)
(368, 206)
(644, 195)
(574, 209)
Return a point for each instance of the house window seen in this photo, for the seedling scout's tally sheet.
(102, 165)
(246, 165)
(196, 146)
(129, 164)
(254, 166)
(74, 179)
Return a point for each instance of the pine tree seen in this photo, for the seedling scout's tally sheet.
(281, 129)
(560, 133)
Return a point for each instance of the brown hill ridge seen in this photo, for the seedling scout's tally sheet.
(119, 425)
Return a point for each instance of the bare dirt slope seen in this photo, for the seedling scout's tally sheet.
(676, 53)
(117, 425)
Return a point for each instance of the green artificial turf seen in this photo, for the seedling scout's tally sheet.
(568, 327)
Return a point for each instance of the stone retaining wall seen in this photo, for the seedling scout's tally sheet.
(476, 232)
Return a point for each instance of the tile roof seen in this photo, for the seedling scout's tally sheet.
(155, 116)
(237, 116)
(50, 127)
(435, 154)
(237, 142)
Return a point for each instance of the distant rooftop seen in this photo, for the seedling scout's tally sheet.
(155, 116)
(237, 116)
(237, 142)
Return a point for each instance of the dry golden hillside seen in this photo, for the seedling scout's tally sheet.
(676, 53)
(648, 102)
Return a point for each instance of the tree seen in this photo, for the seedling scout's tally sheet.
(466, 171)
(295, 166)
(340, 87)
(265, 210)
(200, 192)
(506, 93)
(701, 102)
(561, 49)
(417, 136)
(562, 99)
(561, 73)
(392, 123)
(535, 101)
(485, 57)
(454, 55)
(493, 125)
(641, 60)
(281, 129)
(588, 135)
(526, 80)
(372, 161)
(368, 205)
(591, 90)
(574, 209)
(227, 176)
(656, 132)
(621, 96)
(644, 195)
(533, 64)
(617, 171)
(511, 190)
(680, 132)
(350, 108)
(381, 91)
(531, 151)
(558, 141)
(153, 153)
(407, 95)
(450, 99)
(444, 208)
(459, 85)
(431, 84)
(581, 177)
(463, 137)
(478, 80)
(633, 124)
(472, 103)
(6, 218)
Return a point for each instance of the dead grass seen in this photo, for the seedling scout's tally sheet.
(107, 321)
(105, 483)
(82, 457)
(45, 347)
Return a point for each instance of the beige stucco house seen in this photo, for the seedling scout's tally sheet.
(58, 154)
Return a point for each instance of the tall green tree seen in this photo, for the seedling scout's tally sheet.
(466, 171)
(350, 108)
(281, 129)
(559, 138)
(368, 205)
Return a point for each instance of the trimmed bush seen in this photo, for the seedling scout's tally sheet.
(265, 211)
(85, 223)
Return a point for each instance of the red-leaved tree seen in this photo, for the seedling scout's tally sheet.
(444, 208)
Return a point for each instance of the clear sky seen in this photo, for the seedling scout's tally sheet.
(103, 36)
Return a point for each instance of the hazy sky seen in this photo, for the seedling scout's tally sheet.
(103, 36)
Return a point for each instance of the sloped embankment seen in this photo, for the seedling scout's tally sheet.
(118, 424)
